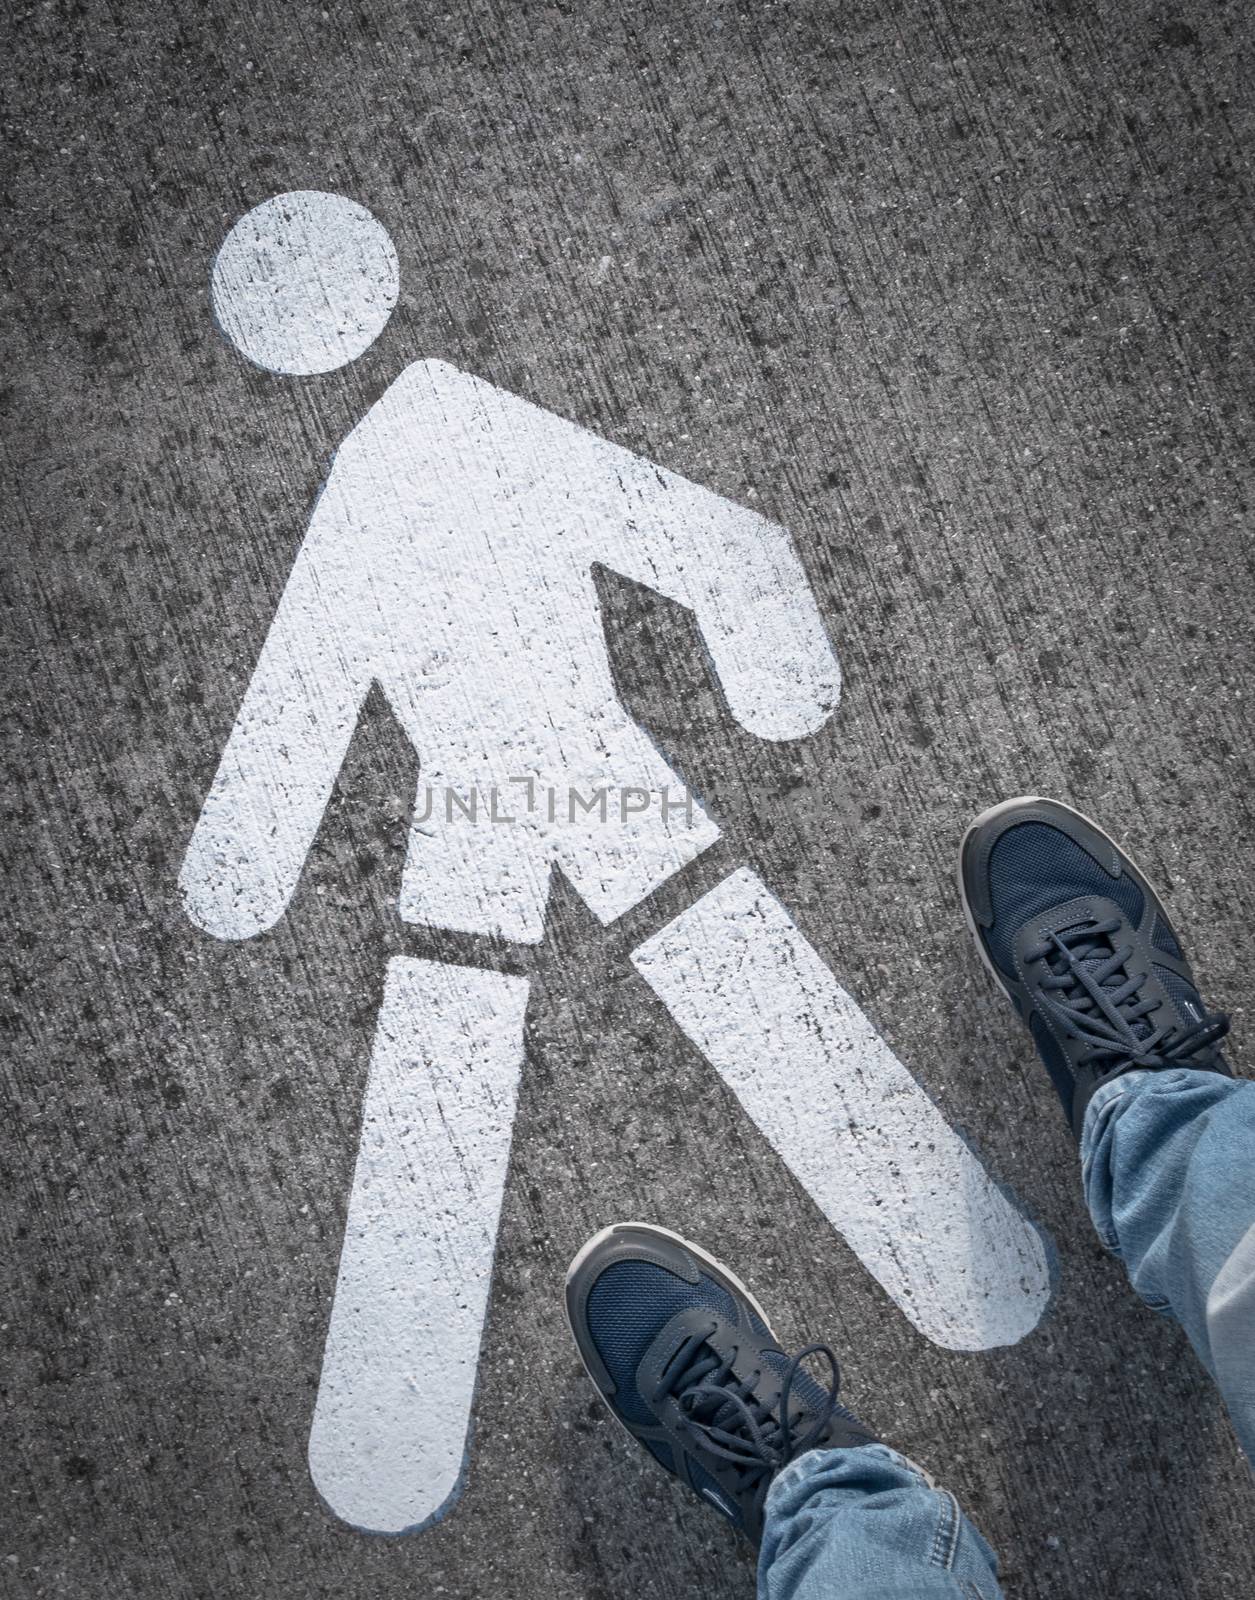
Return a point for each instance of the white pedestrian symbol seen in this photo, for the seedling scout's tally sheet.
(449, 561)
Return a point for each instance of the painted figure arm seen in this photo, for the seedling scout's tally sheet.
(291, 735)
(582, 499)
(741, 576)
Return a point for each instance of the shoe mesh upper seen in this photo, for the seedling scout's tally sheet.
(632, 1300)
(1183, 995)
(1056, 1062)
(1034, 867)
(1164, 939)
(628, 1304)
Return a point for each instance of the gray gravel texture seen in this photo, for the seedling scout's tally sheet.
(960, 293)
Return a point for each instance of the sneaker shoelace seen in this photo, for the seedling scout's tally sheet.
(1101, 1003)
(730, 1422)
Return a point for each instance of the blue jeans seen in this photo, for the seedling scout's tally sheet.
(1168, 1165)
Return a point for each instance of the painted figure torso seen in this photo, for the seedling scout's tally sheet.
(450, 560)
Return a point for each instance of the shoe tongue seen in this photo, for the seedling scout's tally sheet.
(804, 1393)
(804, 1389)
(809, 1393)
(1102, 949)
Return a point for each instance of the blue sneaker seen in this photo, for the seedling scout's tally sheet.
(1081, 943)
(682, 1354)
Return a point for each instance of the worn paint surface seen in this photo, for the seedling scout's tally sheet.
(846, 1116)
(304, 282)
(389, 1438)
(449, 562)
(960, 295)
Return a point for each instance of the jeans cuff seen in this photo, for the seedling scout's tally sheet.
(815, 1461)
(1116, 1089)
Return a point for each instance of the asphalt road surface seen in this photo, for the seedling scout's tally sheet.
(958, 293)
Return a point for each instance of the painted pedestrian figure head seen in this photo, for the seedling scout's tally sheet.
(305, 282)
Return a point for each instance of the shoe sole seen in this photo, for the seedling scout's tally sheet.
(695, 1251)
(1001, 809)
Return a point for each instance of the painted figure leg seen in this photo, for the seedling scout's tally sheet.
(847, 1118)
(390, 1425)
